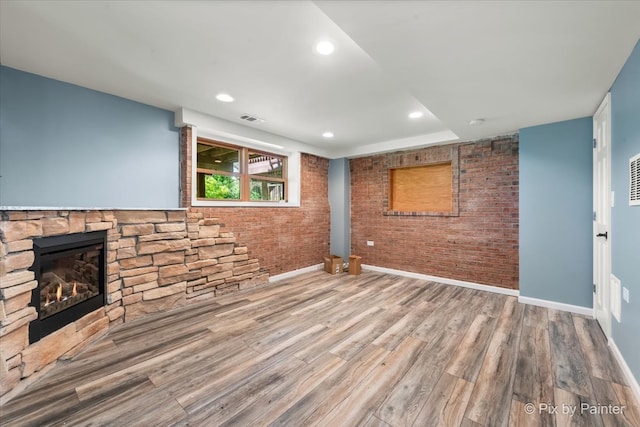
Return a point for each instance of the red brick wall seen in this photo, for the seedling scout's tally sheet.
(479, 245)
(185, 167)
(282, 239)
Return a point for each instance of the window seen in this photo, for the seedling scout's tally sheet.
(227, 172)
(421, 188)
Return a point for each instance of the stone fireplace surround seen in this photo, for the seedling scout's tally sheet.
(156, 260)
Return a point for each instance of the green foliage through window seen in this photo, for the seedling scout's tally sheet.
(221, 187)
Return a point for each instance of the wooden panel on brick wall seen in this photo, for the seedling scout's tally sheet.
(421, 188)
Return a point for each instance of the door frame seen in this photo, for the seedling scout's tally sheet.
(603, 317)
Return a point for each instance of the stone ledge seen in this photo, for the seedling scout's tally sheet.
(85, 209)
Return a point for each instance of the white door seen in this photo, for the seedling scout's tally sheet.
(602, 214)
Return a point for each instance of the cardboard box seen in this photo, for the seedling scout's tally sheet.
(354, 265)
(333, 264)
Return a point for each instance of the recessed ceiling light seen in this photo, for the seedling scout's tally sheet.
(224, 97)
(328, 134)
(476, 122)
(416, 114)
(217, 161)
(325, 47)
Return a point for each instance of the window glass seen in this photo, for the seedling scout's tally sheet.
(265, 165)
(266, 190)
(220, 187)
(218, 158)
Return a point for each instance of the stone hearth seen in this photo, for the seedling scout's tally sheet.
(156, 260)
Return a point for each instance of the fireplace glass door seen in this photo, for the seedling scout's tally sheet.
(68, 278)
(71, 275)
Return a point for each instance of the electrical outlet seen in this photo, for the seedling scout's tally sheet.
(625, 294)
(369, 242)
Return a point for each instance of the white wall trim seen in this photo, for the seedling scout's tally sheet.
(633, 382)
(216, 127)
(293, 273)
(410, 143)
(586, 311)
(237, 133)
(444, 280)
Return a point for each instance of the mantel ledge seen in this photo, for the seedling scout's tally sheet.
(75, 208)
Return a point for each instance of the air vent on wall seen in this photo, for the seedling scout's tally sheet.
(634, 180)
(252, 119)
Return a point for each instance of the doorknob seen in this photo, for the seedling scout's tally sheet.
(602, 234)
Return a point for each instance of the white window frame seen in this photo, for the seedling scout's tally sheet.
(293, 170)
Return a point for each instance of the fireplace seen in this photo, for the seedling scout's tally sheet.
(71, 275)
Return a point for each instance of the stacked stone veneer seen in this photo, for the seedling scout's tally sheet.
(156, 260)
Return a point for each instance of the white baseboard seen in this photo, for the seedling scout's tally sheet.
(444, 280)
(633, 382)
(586, 311)
(294, 273)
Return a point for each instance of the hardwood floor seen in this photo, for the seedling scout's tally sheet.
(368, 350)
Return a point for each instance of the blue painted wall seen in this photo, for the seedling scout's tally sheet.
(625, 219)
(340, 203)
(556, 212)
(64, 145)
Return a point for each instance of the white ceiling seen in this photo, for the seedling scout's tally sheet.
(512, 63)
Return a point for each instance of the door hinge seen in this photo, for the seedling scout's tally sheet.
(595, 142)
(595, 216)
(594, 288)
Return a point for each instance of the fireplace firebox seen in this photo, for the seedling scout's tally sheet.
(71, 275)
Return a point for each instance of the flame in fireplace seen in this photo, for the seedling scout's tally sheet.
(59, 292)
(48, 301)
(74, 292)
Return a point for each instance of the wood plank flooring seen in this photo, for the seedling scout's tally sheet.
(323, 350)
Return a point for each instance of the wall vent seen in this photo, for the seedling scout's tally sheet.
(252, 119)
(634, 180)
